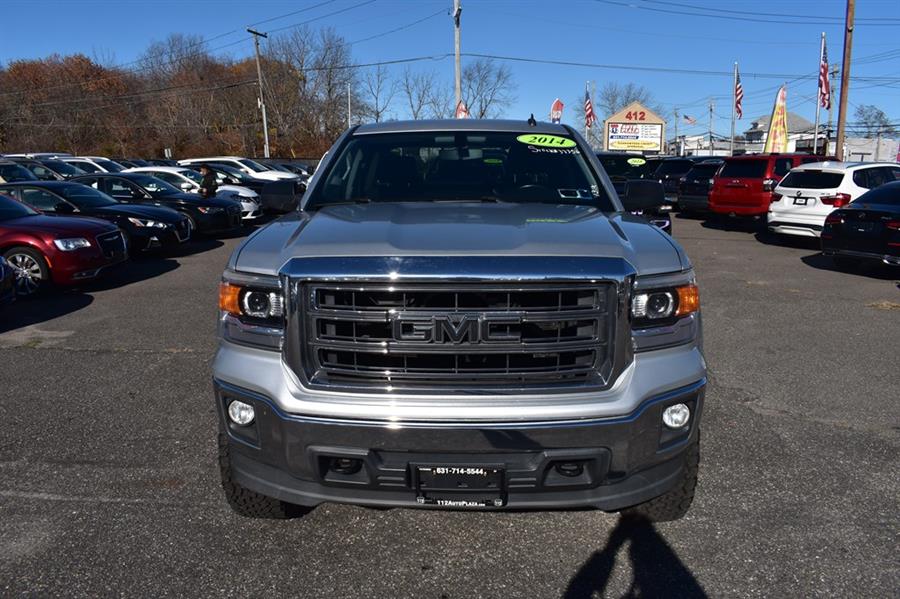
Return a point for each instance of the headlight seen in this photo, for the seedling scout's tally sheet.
(209, 210)
(144, 222)
(251, 315)
(67, 245)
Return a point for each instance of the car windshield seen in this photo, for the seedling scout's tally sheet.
(254, 166)
(63, 168)
(85, 197)
(15, 172)
(10, 209)
(884, 195)
(674, 167)
(750, 169)
(109, 165)
(192, 175)
(461, 166)
(153, 186)
(624, 167)
(812, 179)
(703, 171)
(232, 172)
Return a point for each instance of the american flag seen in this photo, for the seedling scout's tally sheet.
(824, 84)
(589, 117)
(690, 120)
(738, 94)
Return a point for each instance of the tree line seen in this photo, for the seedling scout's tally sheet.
(178, 95)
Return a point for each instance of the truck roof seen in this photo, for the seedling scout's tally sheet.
(462, 125)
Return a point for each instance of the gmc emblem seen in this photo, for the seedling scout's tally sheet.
(455, 328)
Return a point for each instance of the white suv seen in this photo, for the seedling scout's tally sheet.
(251, 167)
(810, 192)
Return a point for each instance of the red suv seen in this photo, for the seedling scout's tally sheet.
(744, 184)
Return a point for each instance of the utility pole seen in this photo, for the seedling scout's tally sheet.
(262, 104)
(457, 13)
(349, 114)
(845, 79)
(832, 75)
(819, 98)
(711, 107)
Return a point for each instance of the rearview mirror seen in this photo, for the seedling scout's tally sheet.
(643, 195)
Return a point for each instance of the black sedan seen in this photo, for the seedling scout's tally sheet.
(868, 228)
(206, 215)
(622, 168)
(145, 227)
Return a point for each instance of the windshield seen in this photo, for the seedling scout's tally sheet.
(85, 197)
(703, 171)
(461, 166)
(109, 165)
(884, 195)
(812, 179)
(674, 167)
(192, 175)
(15, 172)
(624, 167)
(10, 209)
(254, 166)
(153, 186)
(63, 168)
(751, 169)
(232, 172)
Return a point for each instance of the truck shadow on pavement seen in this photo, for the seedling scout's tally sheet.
(656, 569)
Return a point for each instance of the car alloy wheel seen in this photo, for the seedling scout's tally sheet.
(29, 276)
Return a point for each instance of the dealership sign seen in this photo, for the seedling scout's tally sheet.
(634, 128)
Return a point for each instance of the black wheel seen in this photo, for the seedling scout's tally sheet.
(674, 504)
(32, 272)
(247, 503)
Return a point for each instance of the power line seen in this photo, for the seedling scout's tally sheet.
(838, 20)
(401, 28)
(331, 14)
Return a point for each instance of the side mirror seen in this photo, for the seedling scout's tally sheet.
(643, 195)
(230, 181)
(185, 186)
(64, 208)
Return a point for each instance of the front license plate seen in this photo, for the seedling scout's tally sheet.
(800, 201)
(460, 486)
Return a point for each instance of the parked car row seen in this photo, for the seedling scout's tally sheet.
(67, 219)
(854, 207)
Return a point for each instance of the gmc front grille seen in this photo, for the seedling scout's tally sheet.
(466, 337)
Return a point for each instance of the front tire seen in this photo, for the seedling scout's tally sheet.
(675, 503)
(245, 502)
(32, 272)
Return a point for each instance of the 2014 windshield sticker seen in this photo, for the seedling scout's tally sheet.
(546, 141)
(637, 161)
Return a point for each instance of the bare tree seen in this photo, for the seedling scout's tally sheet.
(488, 88)
(871, 120)
(378, 92)
(416, 88)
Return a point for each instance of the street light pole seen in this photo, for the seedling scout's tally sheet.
(845, 80)
(262, 104)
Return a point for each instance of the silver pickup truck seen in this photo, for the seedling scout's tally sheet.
(464, 315)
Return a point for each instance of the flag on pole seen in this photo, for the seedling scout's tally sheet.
(824, 84)
(462, 112)
(738, 94)
(776, 140)
(690, 120)
(556, 110)
(589, 117)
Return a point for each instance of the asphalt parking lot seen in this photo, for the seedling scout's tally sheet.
(109, 485)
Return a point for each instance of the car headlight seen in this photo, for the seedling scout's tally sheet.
(251, 315)
(209, 209)
(650, 307)
(74, 243)
(144, 222)
(666, 315)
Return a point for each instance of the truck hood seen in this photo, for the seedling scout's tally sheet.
(459, 229)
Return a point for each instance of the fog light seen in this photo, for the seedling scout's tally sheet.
(676, 416)
(241, 413)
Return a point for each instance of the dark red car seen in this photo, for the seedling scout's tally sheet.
(45, 250)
